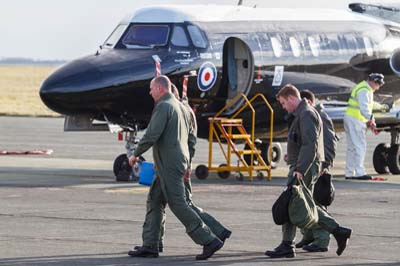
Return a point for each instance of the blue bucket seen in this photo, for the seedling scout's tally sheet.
(146, 174)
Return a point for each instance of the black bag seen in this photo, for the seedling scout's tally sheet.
(280, 212)
(324, 191)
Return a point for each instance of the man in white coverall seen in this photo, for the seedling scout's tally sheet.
(358, 115)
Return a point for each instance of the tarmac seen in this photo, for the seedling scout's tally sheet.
(66, 209)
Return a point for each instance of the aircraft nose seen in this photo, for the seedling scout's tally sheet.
(63, 88)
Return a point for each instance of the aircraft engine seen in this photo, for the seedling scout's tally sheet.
(395, 61)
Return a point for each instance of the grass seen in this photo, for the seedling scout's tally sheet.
(19, 90)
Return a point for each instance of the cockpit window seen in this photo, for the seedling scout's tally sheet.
(389, 11)
(146, 36)
(197, 37)
(179, 37)
(115, 35)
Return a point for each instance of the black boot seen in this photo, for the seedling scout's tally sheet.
(303, 243)
(210, 249)
(342, 235)
(225, 235)
(160, 247)
(284, 250)
(315, 248)
(144, 251)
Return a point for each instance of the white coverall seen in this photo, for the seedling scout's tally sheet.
(355, 136)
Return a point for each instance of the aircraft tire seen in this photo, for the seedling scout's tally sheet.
(201, 171)
(380, 158)
(393, 159)
(224, 174)
(121, 168)
(276, 153)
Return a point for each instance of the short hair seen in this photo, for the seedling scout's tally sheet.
(175, 91)
(309, 95)
(287, 90)
(163, 81)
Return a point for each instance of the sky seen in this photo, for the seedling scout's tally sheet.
(68, 29)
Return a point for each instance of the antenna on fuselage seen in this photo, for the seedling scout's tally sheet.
(240, 3)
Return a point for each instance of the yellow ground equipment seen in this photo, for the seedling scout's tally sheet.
(230, 130)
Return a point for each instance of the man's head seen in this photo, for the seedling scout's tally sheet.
(309, 95)
(375, 80)
(159, 86)
(289, 97)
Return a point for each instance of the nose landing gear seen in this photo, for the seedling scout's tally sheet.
(122, 170)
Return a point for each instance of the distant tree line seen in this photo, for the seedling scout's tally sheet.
(28, 61)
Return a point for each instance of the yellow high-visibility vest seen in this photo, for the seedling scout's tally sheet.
(353, 107)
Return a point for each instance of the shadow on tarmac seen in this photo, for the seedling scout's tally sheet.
(118, 259)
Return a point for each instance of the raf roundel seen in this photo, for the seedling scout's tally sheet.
(207, 76)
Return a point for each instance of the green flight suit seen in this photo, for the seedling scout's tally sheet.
(216, 227)
(319, 236)
(167, 133)
(305, 152)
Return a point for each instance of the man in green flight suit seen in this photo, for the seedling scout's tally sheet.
(305, 152)
(167, 133)
(317, 240)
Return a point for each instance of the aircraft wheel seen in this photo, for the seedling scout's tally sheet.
(393, 159)
(201, 171)
(276, 154)
(121, 168)
(380, 158)
(224, 174)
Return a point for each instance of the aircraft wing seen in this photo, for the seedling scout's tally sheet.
(383, 120)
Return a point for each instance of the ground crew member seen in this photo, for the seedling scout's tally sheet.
(358, 115)
(305, 152)
(317, 240)
(167, 133)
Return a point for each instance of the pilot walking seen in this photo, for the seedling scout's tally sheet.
(167, 133)
(216, 227)
(305, 152)
(317, 240)
(358, 115)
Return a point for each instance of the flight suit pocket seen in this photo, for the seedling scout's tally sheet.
(292, 136)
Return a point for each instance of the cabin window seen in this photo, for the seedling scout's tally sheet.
(351, 42)
(295, 45)
(146, 36)
(333, 43)
(314, 46)
(368, 46)
(276, 47)
(198, 38)
(115, 35)
(179, 37)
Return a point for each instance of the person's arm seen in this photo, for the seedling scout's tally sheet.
(153, 132)
(330, 140)
(363, 98)
(309, 129)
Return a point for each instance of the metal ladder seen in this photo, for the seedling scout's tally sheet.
(230, 130)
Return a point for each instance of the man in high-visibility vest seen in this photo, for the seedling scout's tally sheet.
(358, 115)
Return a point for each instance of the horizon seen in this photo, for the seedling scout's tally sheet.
(64, 30)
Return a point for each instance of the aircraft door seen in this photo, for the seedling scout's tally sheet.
(238, 69)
